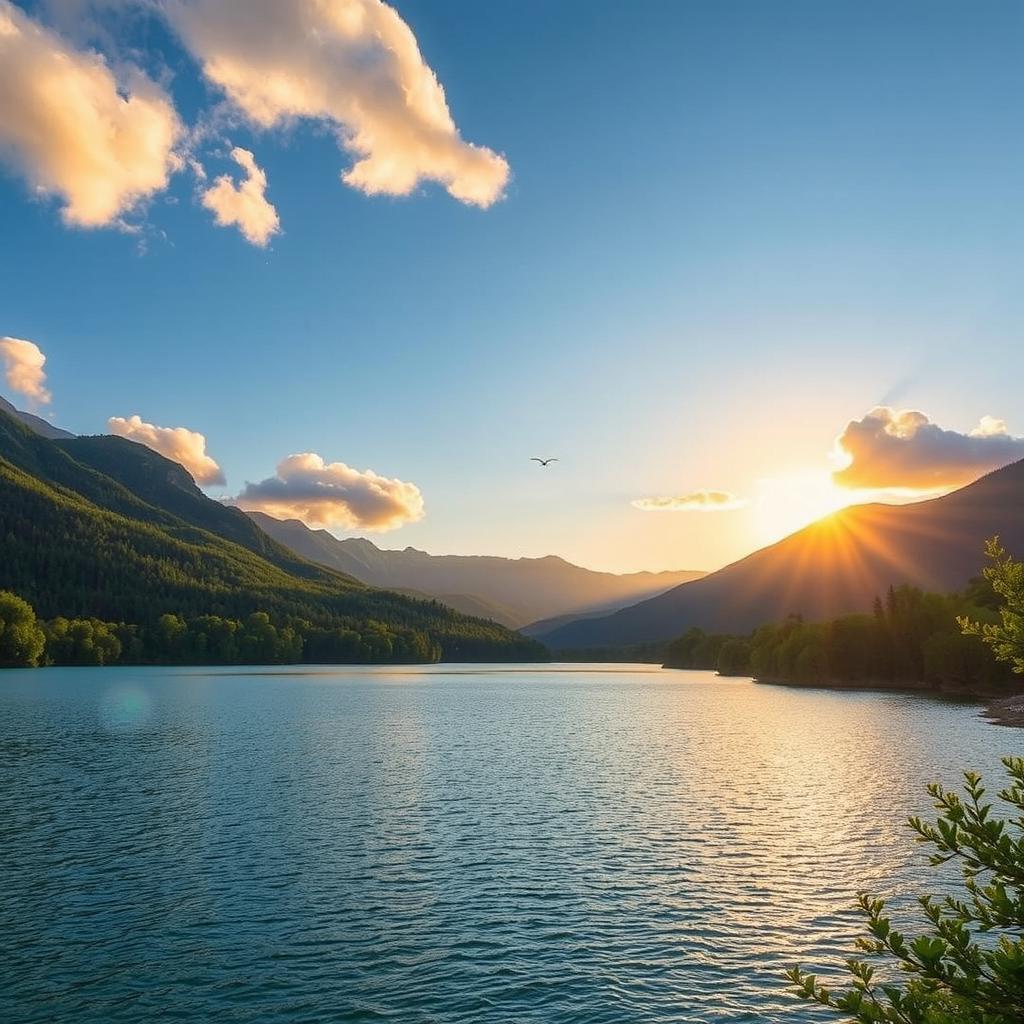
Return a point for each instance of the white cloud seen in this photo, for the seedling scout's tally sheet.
(697, 501)
(906, 450)
(246, 204)
(74, 130)
(23, 363)
(352, 64)
(186, 447)
(333, 495)
(990, 426)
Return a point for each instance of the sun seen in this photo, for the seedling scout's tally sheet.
(787, 503)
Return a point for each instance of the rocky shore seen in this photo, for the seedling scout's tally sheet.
(1006, 711)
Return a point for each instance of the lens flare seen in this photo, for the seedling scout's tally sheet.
(125, 709)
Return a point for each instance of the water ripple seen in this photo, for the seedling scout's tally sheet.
(473, 845)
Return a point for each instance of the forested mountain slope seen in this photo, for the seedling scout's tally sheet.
(102, 527)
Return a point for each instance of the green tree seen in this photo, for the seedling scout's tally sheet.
(171, 634)
(968, 966)
(960, 662)
(734, 658)
(1005, 637)
(21, 639)
(911, 638)
(81, 642)
(696, 649)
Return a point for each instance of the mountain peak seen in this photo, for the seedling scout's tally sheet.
(832, 567)
(354, 543)
(513, 591)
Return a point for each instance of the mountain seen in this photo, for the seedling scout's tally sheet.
(103, 527)
(834, 566)
(468, 604)
(513, 591)
(35, 423)
(542, 627)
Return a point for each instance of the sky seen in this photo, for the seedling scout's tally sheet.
(682, 247)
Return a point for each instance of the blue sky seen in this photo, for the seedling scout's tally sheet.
(730, 228)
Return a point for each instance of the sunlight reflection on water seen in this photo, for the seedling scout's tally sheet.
(591, 844)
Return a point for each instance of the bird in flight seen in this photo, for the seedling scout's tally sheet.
(543, 462)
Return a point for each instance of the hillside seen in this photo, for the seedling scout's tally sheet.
(834, 566)
(35, 423)
(102, 527)
(513, 591)
(468, 604)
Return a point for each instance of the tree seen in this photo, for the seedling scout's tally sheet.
(734, 658)
(81, 642)
(171, 633)
(968, 967)
(21, 639)
(961, 662)
(697, 649)
(1005, 637)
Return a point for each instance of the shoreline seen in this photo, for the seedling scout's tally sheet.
(1008, 711)
(998, 708)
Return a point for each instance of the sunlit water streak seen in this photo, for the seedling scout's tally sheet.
(448, 844)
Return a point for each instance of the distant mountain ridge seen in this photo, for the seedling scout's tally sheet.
(515, 591)
(35, 423)
(832, 567)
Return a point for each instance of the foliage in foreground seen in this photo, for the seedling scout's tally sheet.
(968, 966)
(1005, 637)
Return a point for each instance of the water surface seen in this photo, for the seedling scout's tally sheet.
(448, 844)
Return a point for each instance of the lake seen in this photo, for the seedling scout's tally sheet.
(450, 843)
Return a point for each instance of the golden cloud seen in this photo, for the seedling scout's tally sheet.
(23, 364)
(179, 444)
(74, 130)
(352, 64)
(696, 501)
(245, 204)
(887, 449)
(333, 495)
